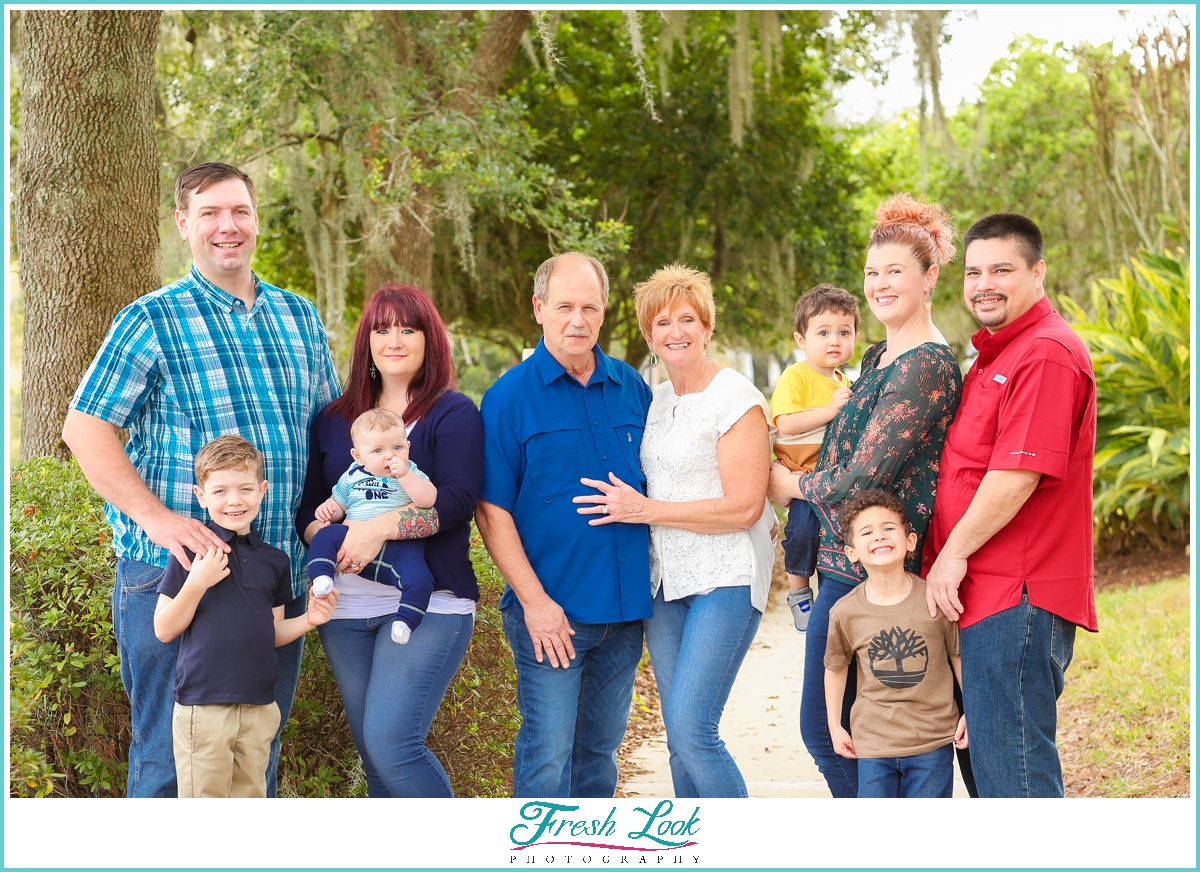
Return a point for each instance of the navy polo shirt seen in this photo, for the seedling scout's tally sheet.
(543, 431)
(227, 653)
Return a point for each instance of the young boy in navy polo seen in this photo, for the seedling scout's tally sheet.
(229, 610)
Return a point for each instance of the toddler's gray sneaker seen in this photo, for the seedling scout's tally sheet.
(800, 602)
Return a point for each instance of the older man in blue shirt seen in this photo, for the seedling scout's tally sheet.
(217, 352)
(576, 594)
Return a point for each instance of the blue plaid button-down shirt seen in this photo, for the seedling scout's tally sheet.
(188, 363)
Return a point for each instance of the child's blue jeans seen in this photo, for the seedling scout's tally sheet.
(929, 775)
(801, 539)
(399, 564)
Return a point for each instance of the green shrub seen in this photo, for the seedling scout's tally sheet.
(70, 716)
(68, 710)
(1139, 339)
(476, 726)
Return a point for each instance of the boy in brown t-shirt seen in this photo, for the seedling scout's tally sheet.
(904, 720)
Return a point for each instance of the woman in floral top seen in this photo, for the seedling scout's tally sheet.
(888, 436)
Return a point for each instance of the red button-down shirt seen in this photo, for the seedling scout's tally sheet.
(1028, 402)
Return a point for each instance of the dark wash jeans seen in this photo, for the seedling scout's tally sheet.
(1014, 664)
(148, 673)
(841, 773)
(572, 720)
(801, 539)
(919, 776)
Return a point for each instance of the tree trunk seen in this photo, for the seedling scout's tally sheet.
(412, 246)
(493, 53)
(86, 211)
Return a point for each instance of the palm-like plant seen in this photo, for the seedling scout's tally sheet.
(1139, 339)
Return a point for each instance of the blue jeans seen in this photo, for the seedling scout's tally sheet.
(573, 719)
(148, 673)
(391, 693)
(801, 539)
(921, 776)
(290, 657)
(841, 774)
(1013, 666)
(709, 635)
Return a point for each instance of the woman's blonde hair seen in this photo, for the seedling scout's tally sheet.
(924, 227)
(670, 287)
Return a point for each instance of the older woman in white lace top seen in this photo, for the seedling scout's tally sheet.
(706, 455)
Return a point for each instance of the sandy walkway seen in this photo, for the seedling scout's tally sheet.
(761, 724)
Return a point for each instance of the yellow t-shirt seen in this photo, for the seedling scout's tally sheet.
(801, 387)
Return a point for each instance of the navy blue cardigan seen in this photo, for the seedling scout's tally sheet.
(447, 444)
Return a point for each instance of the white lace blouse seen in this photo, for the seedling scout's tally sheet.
(679, 458)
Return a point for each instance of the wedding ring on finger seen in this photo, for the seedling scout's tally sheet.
(606, 508)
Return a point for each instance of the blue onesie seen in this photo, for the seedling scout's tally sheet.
(399, 564)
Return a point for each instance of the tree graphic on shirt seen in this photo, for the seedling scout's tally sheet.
(896, 646)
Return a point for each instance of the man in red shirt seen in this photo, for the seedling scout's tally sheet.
(1009, 553)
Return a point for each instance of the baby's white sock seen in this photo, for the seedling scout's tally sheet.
(322, 585)
(400, 632)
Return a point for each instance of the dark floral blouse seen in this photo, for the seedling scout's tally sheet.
(888, 436)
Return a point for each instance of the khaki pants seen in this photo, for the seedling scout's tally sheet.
(223, 750)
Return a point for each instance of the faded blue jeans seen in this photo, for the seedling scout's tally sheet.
(841, 774)
(572, 720)
(148, 673)
(391, 693)
(1014, 664)
(697, 645)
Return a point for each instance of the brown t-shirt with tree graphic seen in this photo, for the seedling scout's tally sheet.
(905, 704)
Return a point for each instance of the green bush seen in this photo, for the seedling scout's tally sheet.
(69, 713)
(476, 726)
(1139, 339)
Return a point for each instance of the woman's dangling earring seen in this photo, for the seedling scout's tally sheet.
(653, 360)
(372, 370)
(929, 301)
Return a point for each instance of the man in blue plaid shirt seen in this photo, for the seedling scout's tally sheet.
(217, 352)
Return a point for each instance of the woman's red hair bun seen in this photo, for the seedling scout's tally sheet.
(926, 227)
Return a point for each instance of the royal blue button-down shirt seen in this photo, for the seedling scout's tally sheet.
(188, 363)
(543, 432)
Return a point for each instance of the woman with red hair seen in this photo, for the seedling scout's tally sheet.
(400, 362)
(888, 436)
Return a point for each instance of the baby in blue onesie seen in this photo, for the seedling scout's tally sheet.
(381, 479)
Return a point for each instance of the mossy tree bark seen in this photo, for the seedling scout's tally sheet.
(411, 248)
(86, 206)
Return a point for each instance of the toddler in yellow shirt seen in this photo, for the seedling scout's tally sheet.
(807, 397)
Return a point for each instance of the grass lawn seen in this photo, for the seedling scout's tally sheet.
(1124, 722)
